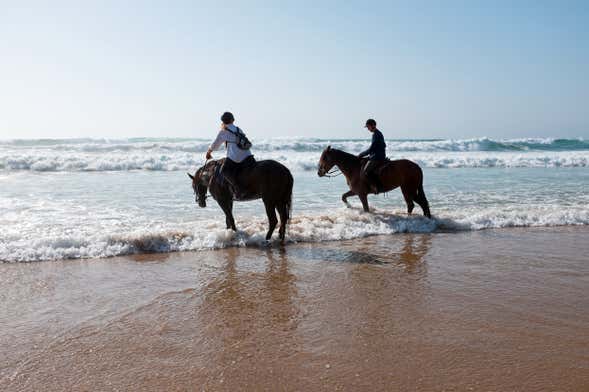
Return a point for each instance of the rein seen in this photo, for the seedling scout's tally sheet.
(333, 173)
(205, 165)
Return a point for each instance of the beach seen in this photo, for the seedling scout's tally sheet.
(428, 163)
(492, 310)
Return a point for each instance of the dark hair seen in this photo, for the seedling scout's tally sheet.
(227, 118)
(371, 122)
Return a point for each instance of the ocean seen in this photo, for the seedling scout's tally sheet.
(94, 198)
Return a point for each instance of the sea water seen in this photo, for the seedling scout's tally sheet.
(99, 198)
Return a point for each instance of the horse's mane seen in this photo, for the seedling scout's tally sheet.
(208, 168)
(345, 155)
(212, 164)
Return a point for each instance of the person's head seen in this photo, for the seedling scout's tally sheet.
(227, 118)
(370, 124)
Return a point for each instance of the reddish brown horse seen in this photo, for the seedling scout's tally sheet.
(267, 180)
(392, 174)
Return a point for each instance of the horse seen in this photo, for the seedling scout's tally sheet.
(268, 180)
(392, 174)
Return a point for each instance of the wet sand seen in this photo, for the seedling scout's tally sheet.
(496, 310)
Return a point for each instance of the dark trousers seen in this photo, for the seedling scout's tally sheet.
(369, 171)
(231, 170)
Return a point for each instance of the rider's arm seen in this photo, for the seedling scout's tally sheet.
(222, 137)
(369, 150)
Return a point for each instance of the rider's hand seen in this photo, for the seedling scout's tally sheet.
(209, 155)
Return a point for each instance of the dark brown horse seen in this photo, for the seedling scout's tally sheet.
(392, 174)
(268, 180)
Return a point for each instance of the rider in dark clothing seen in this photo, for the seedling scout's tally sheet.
(376, 155)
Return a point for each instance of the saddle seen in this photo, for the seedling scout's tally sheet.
(379, 164)
(240, 192)
(372, 175)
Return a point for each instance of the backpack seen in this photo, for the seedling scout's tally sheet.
(243, 143)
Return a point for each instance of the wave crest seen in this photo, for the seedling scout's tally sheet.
(298, 154)
(295, 161)
(300, 144)
(343, 224)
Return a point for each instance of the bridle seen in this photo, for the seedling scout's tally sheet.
(197, 182)
(334, 172)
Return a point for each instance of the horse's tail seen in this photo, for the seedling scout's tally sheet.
(420, 191)
(422, 200)
(289, 197)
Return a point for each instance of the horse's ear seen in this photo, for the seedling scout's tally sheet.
(328, 148)
(191, 176)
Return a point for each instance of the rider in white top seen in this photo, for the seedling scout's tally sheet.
(234, 153)
(236, 157)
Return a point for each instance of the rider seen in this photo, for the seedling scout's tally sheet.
(236, 156)
(376, 155)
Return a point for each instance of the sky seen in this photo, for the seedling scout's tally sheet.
(422, 69)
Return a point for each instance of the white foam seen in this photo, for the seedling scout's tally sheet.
(342, 224)
(453, 160)
(298, 154)
(59, 162)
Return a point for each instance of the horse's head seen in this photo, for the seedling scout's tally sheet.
(326, 162)
(200, 184)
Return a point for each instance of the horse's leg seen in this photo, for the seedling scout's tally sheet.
(272, 219)
(364, 199)
(409, 196)
(227, 207)
(346, 195)
(283, 212)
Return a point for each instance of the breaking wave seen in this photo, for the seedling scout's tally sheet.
(343, 224)
(298, 154)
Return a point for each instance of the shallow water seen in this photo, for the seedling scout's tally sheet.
(55, 208)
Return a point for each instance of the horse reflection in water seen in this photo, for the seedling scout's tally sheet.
(406, 250)
(250, 315)
(261, 326)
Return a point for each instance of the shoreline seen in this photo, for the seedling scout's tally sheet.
(275, 243)
(491, 310)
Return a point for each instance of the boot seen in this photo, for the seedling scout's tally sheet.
(375, 185)
(231, 181)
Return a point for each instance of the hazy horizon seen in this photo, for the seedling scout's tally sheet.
(286, 137)
(457, 70)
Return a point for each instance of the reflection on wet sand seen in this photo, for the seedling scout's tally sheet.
(403, 312)
(250, 317)
(407, 249)
(256, 321)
